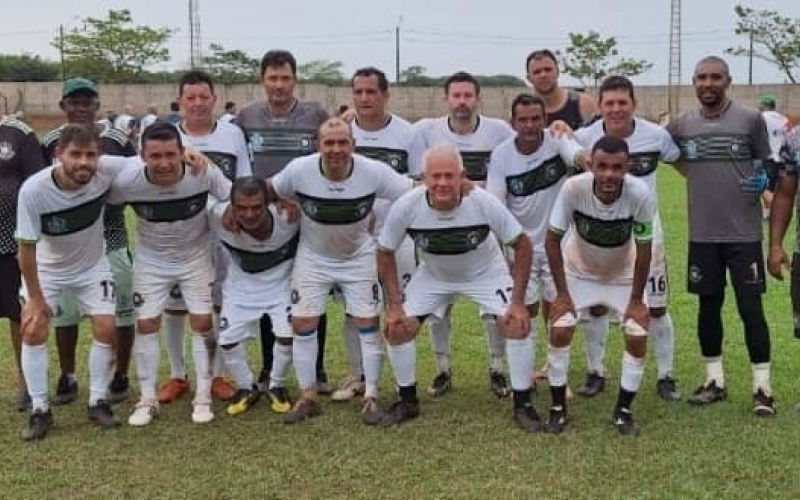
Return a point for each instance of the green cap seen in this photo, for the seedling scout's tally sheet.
(74, 85)
(767, 100)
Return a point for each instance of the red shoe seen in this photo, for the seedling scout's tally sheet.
(173, 389)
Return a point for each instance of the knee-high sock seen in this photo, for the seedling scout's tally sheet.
(304, 353)
(403, 358)
(175, 333)
(202, 368)
(596, 331)
(663, 334)
(440, 341)
(147, 353)
(100, 355)
(35, 370)
(282, 361)
(236, 363)
(353, 344)
(495, 344)
(372, 359)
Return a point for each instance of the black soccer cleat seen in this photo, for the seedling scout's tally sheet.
(498, 384)
(100, 414)
(595, 384)
(399, 412)
(763, 405)
(441, 384)
(556, 421)
(527, 419)
(39, 423)
(708, 394)
(667, 389)
(623, 421)
(66, 390)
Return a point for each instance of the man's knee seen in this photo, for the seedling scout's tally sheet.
(148, 326)
(201, 323)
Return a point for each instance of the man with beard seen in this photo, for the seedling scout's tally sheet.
(573, 108)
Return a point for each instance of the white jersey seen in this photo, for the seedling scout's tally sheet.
(335, 215)
(68, 225)
(226, 117)
(172, 226)
(599, 242)
(528, 184)
(456, 246)
(475, 147)
(777, 126)
(225, 146)
(256, 267)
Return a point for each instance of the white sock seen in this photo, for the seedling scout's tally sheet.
(304, 352)
(147, 352)
(663, 335)
(440, 341)
(202, 368)
(281, 362)
(236, 363)
(175, 333)
(353, 344)
(403, 358)
(520, 362)
(100, 355)
(714, 371)
(761, 378)
(596, 330)
(495, 344)
(558, 365)
(632, 372)
(35, 370)
(214, 354)
(372, 352)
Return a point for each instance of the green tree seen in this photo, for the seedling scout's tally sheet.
(113, 49)
(591, 58)
(27, 68)
(500, 81)
(322, 71)
(231, 66)
(776, 39)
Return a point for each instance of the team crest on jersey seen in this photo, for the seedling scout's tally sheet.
(695, 275)
(517, 187)
(257, 141)
(223, 323)
(195, 206)
(145, 211)
(690, 149)
(305, 142)
(735, 148)
(422, 242)
(310, 208)
(6, 150)
(363, 208)
(56, 225)
(473, 238)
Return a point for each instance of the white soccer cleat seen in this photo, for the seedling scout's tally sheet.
(201, 412)
(144, 413)
(350, 388)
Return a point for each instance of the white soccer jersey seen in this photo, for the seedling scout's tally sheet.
(528, 184)
(777, 126)
(256, 267)
(475, 148)
(599, 242)
(456, 246)
(225, 146)
(67, 225)
(335, 215)
(172, 225)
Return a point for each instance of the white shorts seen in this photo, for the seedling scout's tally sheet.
(425, 295)
(357, 279)
(92, 291)
(657, 288)
(406, 261)
(152, 288)
(221, 261)
(587, 293)
(540, 284)
(238, 323)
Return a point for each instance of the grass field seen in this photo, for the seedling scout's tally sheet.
(463, 446)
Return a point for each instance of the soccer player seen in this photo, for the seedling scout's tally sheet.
(258, 283)
(598, 247)
(80, 104)
(475, 136)
(723, 150)
(279, 130)
(60, 235)
(20, 157)
(224, 144)
(173, 248)
(648, 144)
(230, 112)
(567, 105)
(336, 190)
(457, 237)
(777, 127)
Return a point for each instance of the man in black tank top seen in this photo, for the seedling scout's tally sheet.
(563, 104)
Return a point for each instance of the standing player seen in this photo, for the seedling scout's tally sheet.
(567, 105)
(60, 234)
(648, 144)
(723, 148)
(777, 126)
(475, 136)
(279, 130)
(458, 240)
(604, 259)
(20, 157)
(80, 104)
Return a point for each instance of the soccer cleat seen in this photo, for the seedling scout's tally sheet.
(667, 389)
(708, 394)
(221, 389)
(201, 411)
(763, 405)
(279, 401)
(350, 388)
(441, 384)
(100, 414)
(527, 419)
(371, 413)
(595, 384)
(173, 389)
(623, 421)
(66, 391)
(23, 401)
(499, 385)
(119, 388)
(39, 423)
(323, 387)
(303, 410)
(399, 412)
(144, 413)
(243, 400)
(556, 421)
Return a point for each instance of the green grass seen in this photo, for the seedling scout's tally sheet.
(464, 446)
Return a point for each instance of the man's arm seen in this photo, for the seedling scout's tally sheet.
(387, 273)
(641, 270)
(779, 218)
(521, 268)
(30, 270)
(555, 259)
(588, 107)
(31, 157)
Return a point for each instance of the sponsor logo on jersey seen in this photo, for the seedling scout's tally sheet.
(6, 151)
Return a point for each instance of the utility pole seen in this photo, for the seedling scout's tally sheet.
(750, 54)
(61, 52)
(397, 51)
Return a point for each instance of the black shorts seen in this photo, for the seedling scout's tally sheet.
(709, 261)
(9, 287)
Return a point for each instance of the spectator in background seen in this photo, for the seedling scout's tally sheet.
(174, 117)
(342, 110)
(777, 126)
(230, 112)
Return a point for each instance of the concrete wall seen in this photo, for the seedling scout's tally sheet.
(413, 103)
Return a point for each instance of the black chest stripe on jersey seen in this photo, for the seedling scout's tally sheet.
(225, 161)
(643, 164)
(449, 240)
(603, 233)
(282, 141)
(336, 212)
(171, 210)
(258, 262)
(542, 177)
(73, 219)
(395, 158)
(476, 164)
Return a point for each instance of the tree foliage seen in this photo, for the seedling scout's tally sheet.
(230, 66)
(591, 58)
(322, 71)
(27, 68)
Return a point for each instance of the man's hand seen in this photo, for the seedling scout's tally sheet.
(559, 128)
(290, 208)
(349, 116)
(777, 260)
(398, 328)
(516, 322)
(467, 186)
(638, 312)
(561, 306)
(229, 222)
(197, 161)
(35, 317)
(755, 184)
